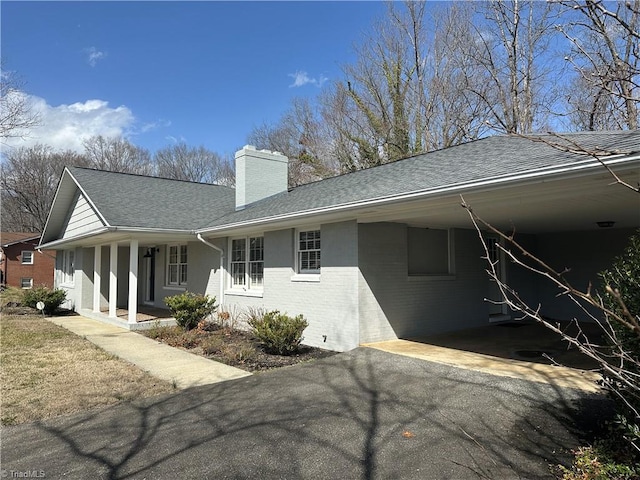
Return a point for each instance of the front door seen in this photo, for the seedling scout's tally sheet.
(497, 308)
(149, 275)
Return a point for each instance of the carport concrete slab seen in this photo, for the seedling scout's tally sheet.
(551, 374)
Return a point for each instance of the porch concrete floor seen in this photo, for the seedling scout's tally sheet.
(509, 349)
(144, 313)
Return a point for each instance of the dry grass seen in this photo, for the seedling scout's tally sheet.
(47, 371)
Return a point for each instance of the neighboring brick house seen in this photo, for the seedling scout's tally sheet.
(21, 265)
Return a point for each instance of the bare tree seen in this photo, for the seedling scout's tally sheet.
(378, 97)
(195, 164)
(29, 180)
(117, 155)
(300, 135)
(16, 113)
(509, 76)
(454, 114)
(605, 55)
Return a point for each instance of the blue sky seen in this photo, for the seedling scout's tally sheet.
(202, 72)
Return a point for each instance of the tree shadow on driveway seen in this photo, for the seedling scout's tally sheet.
(363, 414)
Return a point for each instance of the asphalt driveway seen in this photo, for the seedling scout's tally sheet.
(364, 414)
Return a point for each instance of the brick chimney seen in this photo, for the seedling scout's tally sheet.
(259, 174)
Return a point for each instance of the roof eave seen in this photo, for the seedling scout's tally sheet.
(121, 229)
(524, 177)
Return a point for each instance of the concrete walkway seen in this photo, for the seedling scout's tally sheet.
(161, 361)
(535, 372)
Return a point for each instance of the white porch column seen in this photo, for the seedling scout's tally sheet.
(133, 281)
(113, 279)
(97, 272)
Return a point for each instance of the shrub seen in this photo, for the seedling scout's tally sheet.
(52, 299)
(278, 333)
(624, 277)
(597, 463)
(189, 308)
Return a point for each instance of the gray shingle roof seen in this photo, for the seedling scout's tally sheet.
(148, 202)
(485, 159)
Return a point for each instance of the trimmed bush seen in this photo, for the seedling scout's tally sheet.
(278, 333)
(52, 299)
(190, 308)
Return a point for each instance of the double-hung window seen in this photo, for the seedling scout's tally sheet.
(247, 263)
(26, 282)
(27, 257)
(309, 251)
(177, 265)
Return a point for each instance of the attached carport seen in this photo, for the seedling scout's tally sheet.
(578, 219)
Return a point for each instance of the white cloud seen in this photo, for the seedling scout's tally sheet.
(301, 78)
(93, 55)
(149, 126)
(173, 139)
(65, 127)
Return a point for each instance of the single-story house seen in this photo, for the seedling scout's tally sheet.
(21, 265)
(382, 253)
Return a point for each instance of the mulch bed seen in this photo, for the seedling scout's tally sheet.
(234, 347)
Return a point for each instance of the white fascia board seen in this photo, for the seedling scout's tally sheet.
(22, 240)
(55, 198)
(571, 169)
(64, 241)
(125, 230)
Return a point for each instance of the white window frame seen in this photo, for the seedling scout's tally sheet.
(246, 284)
(300, 251)
(22, 282)
(29, 254)
(182, 267)
(67, 267)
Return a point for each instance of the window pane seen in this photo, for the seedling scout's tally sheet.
(183, 254)
(238, 250)
(173, 254)
(238, 274)
(256, 249)
(183, 274)
(257, 274)
(173, 274)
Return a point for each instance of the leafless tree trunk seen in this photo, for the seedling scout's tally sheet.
(16, 113)
(117, 155)
(29, 180)
(605, 54)
(508, 52)
(194, 164)
(301, 136)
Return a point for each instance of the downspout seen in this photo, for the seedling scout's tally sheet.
(221, 301)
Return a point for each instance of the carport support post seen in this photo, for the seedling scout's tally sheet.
(133, 281)
(97, 266)
(113, 279)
